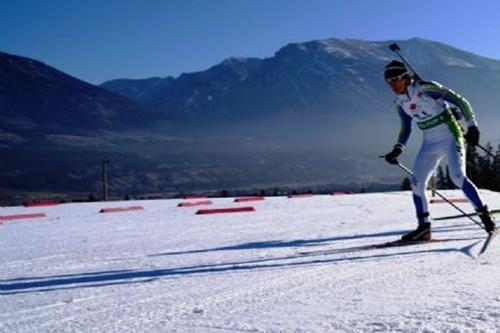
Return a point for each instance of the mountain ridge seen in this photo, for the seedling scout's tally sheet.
(35, 95)
(327, 67)
(315, 112)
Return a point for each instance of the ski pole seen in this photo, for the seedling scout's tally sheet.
(394, 47)
(408, 171)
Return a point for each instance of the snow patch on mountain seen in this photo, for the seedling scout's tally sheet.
(335, 49)
(453, 61)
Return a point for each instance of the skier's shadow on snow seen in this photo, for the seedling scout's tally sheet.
(108, 278)
(279, 244)
(300, 242)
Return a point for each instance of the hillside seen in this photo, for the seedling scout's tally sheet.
(329, 83)
(40, 98)
(316, 114)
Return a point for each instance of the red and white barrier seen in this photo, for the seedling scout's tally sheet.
(247, 199)
(7, 218)
(194, 203)
(225, 210)
(120, 209)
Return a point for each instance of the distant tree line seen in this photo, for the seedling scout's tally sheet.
(482, 169)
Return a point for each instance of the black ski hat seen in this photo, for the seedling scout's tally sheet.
(394, 68)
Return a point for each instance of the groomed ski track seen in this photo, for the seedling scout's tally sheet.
(166, 269)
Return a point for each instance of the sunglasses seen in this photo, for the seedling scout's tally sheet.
(395, 79)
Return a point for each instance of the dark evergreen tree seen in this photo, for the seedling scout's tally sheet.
(484, 164)
(488, 174)
(472, 166)
(441, 180)
(496, 171)
(482, 169)
(449, 183)
(406, 185)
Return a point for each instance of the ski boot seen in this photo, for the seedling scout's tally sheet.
(421, 234)
(485, 216)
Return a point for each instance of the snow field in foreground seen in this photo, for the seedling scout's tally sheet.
(165, 269)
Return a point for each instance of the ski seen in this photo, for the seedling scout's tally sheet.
(495, 211)
(488, 240)
(397, 243)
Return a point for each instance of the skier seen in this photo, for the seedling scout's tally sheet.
(431, 106)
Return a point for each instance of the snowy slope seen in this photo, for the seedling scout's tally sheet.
(165, 269)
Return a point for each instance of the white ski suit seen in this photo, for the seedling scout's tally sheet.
(431, 106)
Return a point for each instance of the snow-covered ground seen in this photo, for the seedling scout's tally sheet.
(165, 269)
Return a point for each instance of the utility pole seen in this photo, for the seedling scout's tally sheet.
(105, 180)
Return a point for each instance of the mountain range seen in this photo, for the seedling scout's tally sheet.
(315, 113)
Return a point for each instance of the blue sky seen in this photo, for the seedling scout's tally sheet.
(98, 40)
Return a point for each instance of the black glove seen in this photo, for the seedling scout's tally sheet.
(472, 136)
(392, 157)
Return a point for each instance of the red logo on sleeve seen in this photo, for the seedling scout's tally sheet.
(413, 106)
